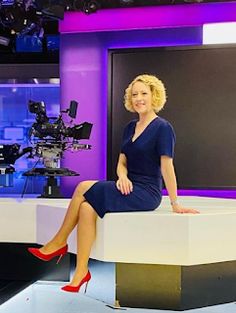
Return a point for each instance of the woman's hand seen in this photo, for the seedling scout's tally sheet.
(177, 208)
(124, 185)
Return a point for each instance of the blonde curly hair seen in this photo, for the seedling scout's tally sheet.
(157, 89)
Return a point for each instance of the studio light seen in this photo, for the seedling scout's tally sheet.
(51, 8)
(17, 18)
(193, 1)
(90, 6)
(126, 2)
(55, 11)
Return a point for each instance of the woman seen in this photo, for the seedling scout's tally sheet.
(146, 156)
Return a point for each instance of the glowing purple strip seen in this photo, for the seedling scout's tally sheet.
(148, 17)
(229, 194)
(25, 85)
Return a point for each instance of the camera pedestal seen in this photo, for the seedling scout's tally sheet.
(51, 188)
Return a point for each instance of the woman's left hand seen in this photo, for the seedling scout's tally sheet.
(177, 208)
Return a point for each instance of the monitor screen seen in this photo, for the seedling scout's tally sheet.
(201, 106)
(13, 133)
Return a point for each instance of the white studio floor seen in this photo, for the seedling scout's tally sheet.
(44, 297)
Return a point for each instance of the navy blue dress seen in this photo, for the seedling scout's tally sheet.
(143, 164)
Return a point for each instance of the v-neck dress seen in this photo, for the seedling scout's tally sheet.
(143, 165)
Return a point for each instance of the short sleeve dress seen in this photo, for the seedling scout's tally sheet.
(143, 164)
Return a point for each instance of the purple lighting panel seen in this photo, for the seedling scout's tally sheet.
(148, 17)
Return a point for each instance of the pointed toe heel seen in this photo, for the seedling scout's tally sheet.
(85, 280)
(47, 257)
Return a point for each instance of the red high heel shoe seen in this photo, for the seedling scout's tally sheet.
(86, 280)
(47, 257)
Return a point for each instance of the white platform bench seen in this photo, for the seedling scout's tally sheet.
(162, 260)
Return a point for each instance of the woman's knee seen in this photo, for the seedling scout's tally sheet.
(86, 211)
(83, 186)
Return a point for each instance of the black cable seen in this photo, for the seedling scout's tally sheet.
(25, 186)
(26, 181)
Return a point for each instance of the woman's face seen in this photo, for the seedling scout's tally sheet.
(141, 97)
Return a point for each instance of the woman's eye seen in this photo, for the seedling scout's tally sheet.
(144, 93)
(134, 94)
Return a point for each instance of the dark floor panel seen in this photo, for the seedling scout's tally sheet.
(9, 288)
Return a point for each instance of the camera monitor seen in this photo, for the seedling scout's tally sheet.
(73, 109)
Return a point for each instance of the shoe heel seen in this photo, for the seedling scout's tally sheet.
(85, 290)
(59, 259)
(86, 280)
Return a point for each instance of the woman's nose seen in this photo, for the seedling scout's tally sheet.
(139, 96)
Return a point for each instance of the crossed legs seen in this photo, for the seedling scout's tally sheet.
(86, 233)
(79, 213)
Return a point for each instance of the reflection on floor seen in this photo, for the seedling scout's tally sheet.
(48, 298)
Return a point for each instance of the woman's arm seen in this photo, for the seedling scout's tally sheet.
(123, 183)
(168, 173)
(121, 169)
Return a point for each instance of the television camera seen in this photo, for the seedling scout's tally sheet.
(50, 137)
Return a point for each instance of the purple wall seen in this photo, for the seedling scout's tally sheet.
(84, 71)
(81, 73)
(84, 74)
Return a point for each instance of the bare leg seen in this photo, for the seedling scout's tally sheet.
(86, 236)
(70, 220)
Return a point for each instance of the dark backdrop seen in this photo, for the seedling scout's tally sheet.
(201, 105)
